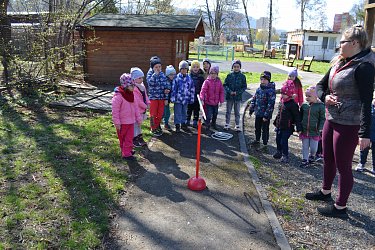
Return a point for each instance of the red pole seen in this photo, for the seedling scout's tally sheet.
(198, 148)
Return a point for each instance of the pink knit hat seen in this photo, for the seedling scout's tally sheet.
(288, 88)
(126, 80)
(214, 69)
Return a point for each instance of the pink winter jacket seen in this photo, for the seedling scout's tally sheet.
(138, 98)
(124, 112)
(212, 92)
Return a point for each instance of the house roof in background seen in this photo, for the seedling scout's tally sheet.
(143, 22)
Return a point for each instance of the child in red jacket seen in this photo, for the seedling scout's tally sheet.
(124, 114)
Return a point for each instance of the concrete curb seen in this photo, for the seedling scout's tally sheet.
(278, 231)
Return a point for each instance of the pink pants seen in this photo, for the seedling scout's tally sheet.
(125, 136)
(156, 113)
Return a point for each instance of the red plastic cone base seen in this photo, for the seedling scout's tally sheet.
(196, 184)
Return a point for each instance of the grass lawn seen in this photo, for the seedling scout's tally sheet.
(316, 67)
(61, 177)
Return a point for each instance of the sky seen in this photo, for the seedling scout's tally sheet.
(288, 17)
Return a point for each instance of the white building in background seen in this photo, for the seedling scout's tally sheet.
(320, 44)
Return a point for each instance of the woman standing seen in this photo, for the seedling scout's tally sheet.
(347, 90)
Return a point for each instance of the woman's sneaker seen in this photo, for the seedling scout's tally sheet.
(360, 167)
(318, 196)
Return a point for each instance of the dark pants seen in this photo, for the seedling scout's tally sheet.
(211, 115)
(339, 143)
(193, 109)
(363, 154)
(282, 137)
(262, 128)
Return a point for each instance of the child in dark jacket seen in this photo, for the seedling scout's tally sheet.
(158, 91)
(182, 94)
(263, 103)
(287, 117)
(234, 85)
(313, 116)
(196, 74)
(364, 153)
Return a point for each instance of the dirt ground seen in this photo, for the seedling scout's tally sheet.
(286, 185)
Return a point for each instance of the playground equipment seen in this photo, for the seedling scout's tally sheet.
(197, 183)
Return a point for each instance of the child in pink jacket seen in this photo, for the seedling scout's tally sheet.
(212, 93)
(141, 98)
(124, 114)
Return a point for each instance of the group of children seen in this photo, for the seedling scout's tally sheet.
(132, 99)
(293, 114)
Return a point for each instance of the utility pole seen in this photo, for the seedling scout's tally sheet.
(270, 27)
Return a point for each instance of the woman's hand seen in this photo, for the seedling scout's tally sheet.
(331, 100)
(364, 143)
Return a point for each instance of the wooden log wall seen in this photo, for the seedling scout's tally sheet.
(115, 52)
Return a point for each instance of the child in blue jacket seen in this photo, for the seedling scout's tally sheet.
(263, 103)
(183, 91)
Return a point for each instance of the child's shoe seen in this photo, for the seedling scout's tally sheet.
(136, 142)
(311, 159)
(167, 127)
(156, 132)
(213, 125)
(129, 158)
(226, 127)
(277, 155)
(372, 171)
(360, 167)
(184, 127)
(318, 157)
(178, 129)
(141, 140)
(284, 159)
(304, 164)
(237, 128)
(188, 123)
(195, 124)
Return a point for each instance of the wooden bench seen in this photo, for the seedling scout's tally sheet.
(307, 61)
(290, 61)
(269, 53)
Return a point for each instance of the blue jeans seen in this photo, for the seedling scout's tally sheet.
(237, 106)
(167, 114)
(212, 112)
(180, 112)
(363, 154)
(282, 137)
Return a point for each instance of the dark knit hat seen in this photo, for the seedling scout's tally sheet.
(154, 60)
(266, 75)
(236, 61)
(208, 61)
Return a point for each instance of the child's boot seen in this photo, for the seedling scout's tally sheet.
(277, 155)
(178, 129)
(195, 124)
(141, 140)
(136, 142)
(284, 159)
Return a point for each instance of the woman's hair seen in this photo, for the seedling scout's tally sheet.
(358, 33)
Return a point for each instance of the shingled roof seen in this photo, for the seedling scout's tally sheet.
(187, 23)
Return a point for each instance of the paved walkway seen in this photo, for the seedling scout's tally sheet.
(160, 212)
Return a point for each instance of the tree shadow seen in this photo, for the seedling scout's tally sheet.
(89, 201)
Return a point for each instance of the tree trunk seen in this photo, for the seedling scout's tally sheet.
(270, 27)
(250, 38)
(5, 36)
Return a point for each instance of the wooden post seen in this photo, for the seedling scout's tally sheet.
(369, 19)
